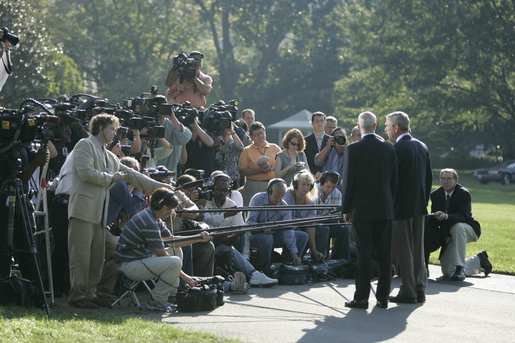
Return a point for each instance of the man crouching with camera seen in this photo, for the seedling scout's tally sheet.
(187, 82)
(142, 254)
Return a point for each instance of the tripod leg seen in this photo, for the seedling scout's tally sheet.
(29, 239)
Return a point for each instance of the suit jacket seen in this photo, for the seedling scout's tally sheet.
(415, 178)
(92, 170)
(311, 149)
(370, 183)
(459, 209)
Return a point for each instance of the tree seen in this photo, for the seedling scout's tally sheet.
(448, 64)
(39, 65)
(122, 47)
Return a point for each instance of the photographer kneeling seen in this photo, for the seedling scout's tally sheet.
(142, 253)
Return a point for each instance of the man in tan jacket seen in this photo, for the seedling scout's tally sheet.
(94, 170)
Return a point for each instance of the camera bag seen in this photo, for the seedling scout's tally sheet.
(205, 297)
(328, 270)
(293, 275)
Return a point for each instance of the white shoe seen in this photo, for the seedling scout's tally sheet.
(260, 279)
(239, 283)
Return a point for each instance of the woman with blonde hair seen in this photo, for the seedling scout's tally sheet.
(292, 158)
(303, 192)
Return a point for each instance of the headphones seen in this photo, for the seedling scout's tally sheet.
(329, 173)
(162, 197)
(272, 182)
(295, 181)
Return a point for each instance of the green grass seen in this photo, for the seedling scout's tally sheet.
(493, 206)
(67, 325)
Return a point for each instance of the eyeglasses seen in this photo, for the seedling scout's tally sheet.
(294, 144)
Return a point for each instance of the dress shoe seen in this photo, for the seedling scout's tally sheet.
(402, 300)
(421, 297)
(485, 263)
(103, 301)
(382, 303)
(357, 304)
(459, 274)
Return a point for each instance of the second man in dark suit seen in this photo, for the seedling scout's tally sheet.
(413, 188)
(316, 141)
(368, 197)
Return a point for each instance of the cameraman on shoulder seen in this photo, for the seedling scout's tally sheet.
(6, 68)
(193, 88)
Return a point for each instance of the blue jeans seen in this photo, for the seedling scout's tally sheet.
(340, 234)
(265, 243)
(240, 262)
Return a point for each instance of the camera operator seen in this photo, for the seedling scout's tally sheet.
(228, 148)
(201, 149)
(332, 155)
(225, 243)
(6, 69)
(194, 89)
(94, 169)
(142, 253)
(198, 259)
(159, 153)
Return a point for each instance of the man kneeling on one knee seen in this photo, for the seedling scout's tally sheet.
(142, 254)
(452, 226)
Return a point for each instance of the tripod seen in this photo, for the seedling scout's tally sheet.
(15, 195)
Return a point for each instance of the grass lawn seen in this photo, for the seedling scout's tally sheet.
(493, 206)
(19, 324)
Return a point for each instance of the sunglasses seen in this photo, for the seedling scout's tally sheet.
(295, 144)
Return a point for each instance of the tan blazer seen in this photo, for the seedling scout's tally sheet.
(91, 179)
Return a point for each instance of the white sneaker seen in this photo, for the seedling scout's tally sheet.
(155, 305)
(260, 279)
(239, 283)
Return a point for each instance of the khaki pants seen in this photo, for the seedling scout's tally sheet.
(456, 250)
(408, 255)
(86, 249)
(168, 269)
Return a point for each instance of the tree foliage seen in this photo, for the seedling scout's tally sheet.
(447, 64)
(39, 65)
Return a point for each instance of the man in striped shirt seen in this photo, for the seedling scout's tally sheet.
(142, 253)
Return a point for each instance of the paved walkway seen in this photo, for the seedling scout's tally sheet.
(479, 309)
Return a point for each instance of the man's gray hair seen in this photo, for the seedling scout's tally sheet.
(367, 120)
(400, 119)
(130, 162)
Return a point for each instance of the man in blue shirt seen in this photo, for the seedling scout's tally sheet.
(265, 241)
(332, 156)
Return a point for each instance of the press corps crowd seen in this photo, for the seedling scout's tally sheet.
(110, 214)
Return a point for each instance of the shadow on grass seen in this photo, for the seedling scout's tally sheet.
(60, 313)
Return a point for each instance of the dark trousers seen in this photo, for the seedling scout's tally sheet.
(58, 215)
(373, 237)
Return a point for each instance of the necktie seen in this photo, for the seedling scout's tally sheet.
(447, 198)
(319, 142)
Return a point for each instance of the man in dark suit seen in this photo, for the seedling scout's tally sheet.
(316, 141)
(413, 187)
(451, 218)
(368, 197)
